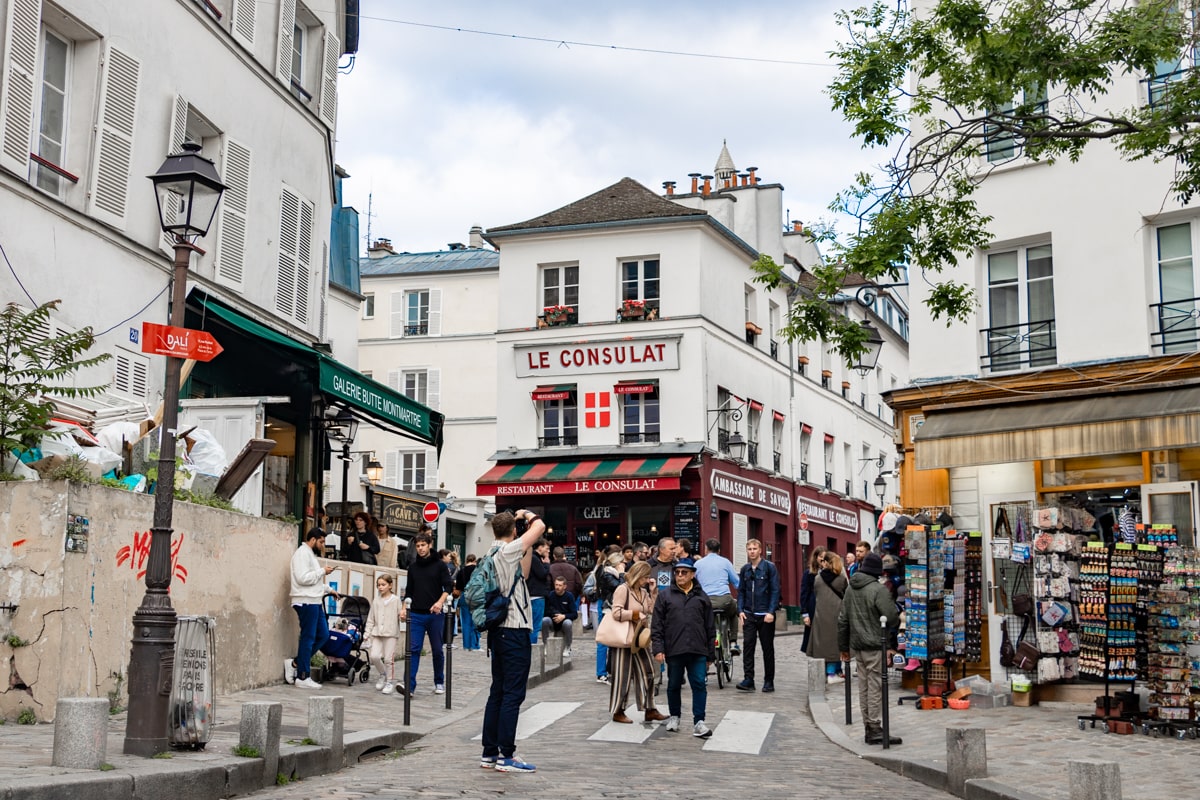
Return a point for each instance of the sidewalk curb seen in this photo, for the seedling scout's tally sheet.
(930, 773)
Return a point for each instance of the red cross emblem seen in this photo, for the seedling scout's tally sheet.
(596, 409)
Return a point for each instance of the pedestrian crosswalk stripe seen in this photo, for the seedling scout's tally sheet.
(539, 716)
(741, 732)
(622, 732)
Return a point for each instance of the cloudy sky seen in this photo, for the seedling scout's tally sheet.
(449, 129)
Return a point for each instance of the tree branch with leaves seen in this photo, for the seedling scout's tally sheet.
(938, 84)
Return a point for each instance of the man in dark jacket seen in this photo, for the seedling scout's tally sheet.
(860, 635)
(758, 600)
(682, 633)
(561, 612)
(429, 588)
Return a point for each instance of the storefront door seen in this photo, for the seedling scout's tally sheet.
(1172, 504)
(1003, 578)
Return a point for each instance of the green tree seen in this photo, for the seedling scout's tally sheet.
(33, 365)
(941, 84)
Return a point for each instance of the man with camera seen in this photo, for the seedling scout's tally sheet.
(509, 644)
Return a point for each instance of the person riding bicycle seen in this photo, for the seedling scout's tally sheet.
(719, 580)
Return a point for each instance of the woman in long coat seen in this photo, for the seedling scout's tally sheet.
(829, 589)
(808, 598)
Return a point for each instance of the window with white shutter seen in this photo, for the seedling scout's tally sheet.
(131, 372)
(435, 312)
(242, 25)
(398, 316)
(412, 475)
(187, 125)
(433, 392)
(431, 472)
(114, 147)
(329, 73)
(286, 30)
(234, 208)
(391, 468)
(17, 83)
(294, 274)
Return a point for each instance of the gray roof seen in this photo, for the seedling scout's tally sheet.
(465, 260)
(624, 201)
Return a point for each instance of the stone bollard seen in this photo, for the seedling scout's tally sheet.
(966, 758)
(80, 732)
(325, 725)
(260, 729)
(1094, 780)
(816, 676)
(537, 659)
(554, 652)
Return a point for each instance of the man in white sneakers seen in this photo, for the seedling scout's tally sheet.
(307, 593)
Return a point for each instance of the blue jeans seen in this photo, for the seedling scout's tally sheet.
(418, 626)
(696, 668)
(470, 636)
(510, 674)
(314, 632)
(601, 650)
(538, 606)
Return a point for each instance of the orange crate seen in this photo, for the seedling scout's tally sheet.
(929, 703)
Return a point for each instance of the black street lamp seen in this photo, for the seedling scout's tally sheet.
(881, 488)
(870, 356)
(188, 191)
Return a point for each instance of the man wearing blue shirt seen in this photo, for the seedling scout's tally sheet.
(758, 600)
(717, 577)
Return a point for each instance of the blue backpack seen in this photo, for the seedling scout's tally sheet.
(487, 603)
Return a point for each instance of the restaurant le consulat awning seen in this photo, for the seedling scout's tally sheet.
(579, 476)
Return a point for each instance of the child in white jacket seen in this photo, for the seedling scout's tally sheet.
(383, 633)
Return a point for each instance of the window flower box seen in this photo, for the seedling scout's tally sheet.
(557, 315)
(752, 328)
(632, 309)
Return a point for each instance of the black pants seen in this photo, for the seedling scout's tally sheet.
(755, 630)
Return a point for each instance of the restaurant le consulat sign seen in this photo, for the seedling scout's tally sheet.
(831, 516)
(595, 357)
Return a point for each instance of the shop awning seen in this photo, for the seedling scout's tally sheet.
(755, 405)
(583, 476)
(1062, 428)
(555, 392)
(635, 387)
(382, 405)
(777, 416)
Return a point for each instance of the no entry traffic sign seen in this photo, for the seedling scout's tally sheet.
(431, 512)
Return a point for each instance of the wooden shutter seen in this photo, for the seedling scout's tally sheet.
(242, 25)
(391, 466)
(17, 83)
(131, 374)
(393, 380)
(304, 261)
(433, 388)
(287, 20)
(114, 136)
(329, 73)
(289, 229)
(398, 312)
(435, 312)
(175, 140)
(235, 208)
(431, 473)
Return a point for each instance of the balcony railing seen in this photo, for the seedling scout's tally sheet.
(1178, 328)
(417, 329)
(804, 472)
(774, 349)
(561, 440)
(640, 438)
(752, 453)
(722, 440)
(829, 481)
(846, 491)
(1156, 87)
(777, 461)
(1011, 347)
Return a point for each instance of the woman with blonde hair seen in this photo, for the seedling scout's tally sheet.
(808, 600)
(830, 588)
(631, 603)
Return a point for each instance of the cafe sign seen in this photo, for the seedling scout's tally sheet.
(752, 493)
(399, 512)
(650, 354)
(832, 516)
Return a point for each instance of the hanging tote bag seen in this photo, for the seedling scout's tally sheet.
(612, 632)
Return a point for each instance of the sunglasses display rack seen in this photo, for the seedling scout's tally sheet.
(973, 589)
(1169, 674)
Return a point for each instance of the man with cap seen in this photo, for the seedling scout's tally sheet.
(682, 634)
(860, 636)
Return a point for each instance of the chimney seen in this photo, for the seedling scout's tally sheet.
(695, 176)
(745, 176)
(381, 249)
(797, 226)
(456, 246)
(753, 177)
(669, 186)
(707, 184)
(476, 240)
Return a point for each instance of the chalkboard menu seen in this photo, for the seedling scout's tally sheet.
(584, 541)
(687, 522)
(569, 553)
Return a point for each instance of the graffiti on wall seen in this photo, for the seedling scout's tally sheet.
(135, 556)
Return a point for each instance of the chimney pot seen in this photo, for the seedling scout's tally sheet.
(670, 187)
(695, 176)
(475, 237)
(707, 184)
(753, 177)
(745, 176)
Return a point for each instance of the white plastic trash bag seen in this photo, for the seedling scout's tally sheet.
(113, 435)
(206, 453)
(102, 456)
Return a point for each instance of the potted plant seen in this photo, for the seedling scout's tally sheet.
(558, 315)
(632, 309)
(317, 667)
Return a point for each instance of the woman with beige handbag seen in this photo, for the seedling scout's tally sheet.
(631, 663)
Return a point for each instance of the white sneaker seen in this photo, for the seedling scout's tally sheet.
(379, 684)
(701, 731)
(308, 683)
(834, 679)
(567, 653)
(289, 670)
(439, 689)
(389, 688)
(672, 724)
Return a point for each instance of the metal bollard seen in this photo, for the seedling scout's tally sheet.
(884, 677)
(448, 641)
(407, 660)
(849, 693)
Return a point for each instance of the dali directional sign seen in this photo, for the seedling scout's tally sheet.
(165, 340)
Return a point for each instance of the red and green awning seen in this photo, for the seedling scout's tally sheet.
(583, 476)
(560, 391)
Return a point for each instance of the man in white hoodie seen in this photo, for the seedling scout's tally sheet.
(308, 591)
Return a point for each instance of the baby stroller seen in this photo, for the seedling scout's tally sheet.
(344, 653)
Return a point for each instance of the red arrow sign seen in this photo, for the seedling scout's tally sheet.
(431, 512)
(165, 340)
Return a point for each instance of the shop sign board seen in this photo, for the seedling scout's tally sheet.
(647, 354)
(584, 487)
(752, 493)
(167, 340)
(399, 512)
(831, 516)
(687, 521)
(598, 512)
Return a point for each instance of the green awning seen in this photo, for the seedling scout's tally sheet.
(341, 383)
